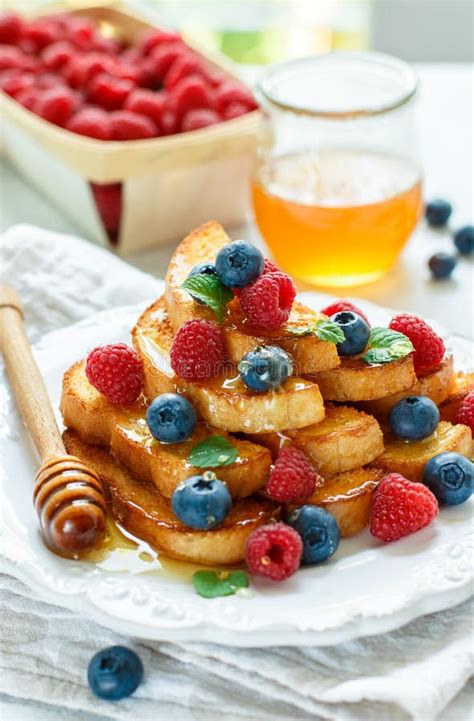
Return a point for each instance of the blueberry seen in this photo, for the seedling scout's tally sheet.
(171, 418)
(114, 673)
(238, 264)
(442, 265)
(201, 502)
(464, 240)
(318, 530)
(449, 476)
(203, 269)
(437, 212)
(414, 418)
(265, 368)
(356, 332)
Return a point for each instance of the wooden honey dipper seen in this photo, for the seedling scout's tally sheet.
(68, 496)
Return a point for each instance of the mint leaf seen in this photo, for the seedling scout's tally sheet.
(386, 345)
(323, 328)
(209, 290)
(212, 584)
(212, 452)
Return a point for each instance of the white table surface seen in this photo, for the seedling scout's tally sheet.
(445, 116)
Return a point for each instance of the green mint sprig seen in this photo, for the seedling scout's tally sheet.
(386, 345)
(212, 584)
(209, 290)
(323, 328)
(214, 451)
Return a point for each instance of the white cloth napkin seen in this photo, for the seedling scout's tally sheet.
(419, 672)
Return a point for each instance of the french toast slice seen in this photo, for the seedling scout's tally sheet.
(410, 457)
(310, 354)
(348, 496)
(462, 384)
(144, 512)
(124, 430)
(436, 385)
(345, 439)
(223, 401)
(355, 380)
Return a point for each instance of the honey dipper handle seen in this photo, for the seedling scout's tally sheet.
(30, 392)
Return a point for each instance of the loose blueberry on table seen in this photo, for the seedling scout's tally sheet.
(115, 673)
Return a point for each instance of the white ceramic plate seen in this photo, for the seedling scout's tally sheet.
(366, 587)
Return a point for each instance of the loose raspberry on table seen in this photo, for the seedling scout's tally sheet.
(234, 110)
(187, 63)
(198, 118)
(293, 477)
(230, 92)
(157, 38)
(401, 507)
(274, 551)
(131, 126)
(146, 102)
(267, 302)
(465, 413)
(429, 347)
(57, 105)
(109, 92)
(108, 199)
(92, 122)
(341, 305)
(57, 55)
(116, 371)
(11, 28)
(190, 93)
(197, 352)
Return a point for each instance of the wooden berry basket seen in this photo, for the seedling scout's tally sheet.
(170, 184)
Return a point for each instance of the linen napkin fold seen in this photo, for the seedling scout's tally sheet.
(418, 672)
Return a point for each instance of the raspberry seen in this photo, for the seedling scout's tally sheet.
(92, 122)
(292, 477)
(108, 199)
(198, 118)
(197, 352)
(130, 126)
(82, 68)
(429, 347)
(13, 82)
(28, 97)
(230, 92)
(57, 105)
(342, 305)
(401, 507)
(157, 38)
(13, 59)
(267, 302)
(42, 33)
(191, 93)
(146, 102)
(269, 267)
(82, 33)
(45, 81)
(57, 55)
(169, 123)
(110, 46)
(109, 92)
(130, 71)
(11, 28)
(116, 371)
(465, 413)
(187, 63)
(234, 110)
(274, 551)
(162, 58)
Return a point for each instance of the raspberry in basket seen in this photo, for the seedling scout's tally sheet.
(130, 126)
(108, 91)
(190, 93)
(57, 105)
(274, 551)
(230, 92)
(199, 118)
(429, 347)
(93, 122)
(116, 371)
(146, 102)
(11, 28)
(57, 55)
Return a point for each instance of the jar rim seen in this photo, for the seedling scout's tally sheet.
(266, 84)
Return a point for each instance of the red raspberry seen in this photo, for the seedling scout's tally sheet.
(199, 118)
(190, 93)
(169, 123)
(465, 413)
(157, 38)
(28, 97)
(341, 305)
(12, 58)
(42, 33)
(82, 68)
(116, 371)
(400, 507)
(109, 92)
(108, 199)
(11, 28)
(187, 63)
(92, 122)
(274, 551)
(197, 352)
(292, 477)
(162, 58)
(234, 110)
(110, 46)
(49, 80)
(82, 33)
(130, 126)
(57, 55)
(429, 347)
(267, 302)
(230, 92)
(13, 82)
(146, 102)
(130, 71)
(57, 105)
(269, 267)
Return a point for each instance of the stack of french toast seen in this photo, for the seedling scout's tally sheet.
(332, 407)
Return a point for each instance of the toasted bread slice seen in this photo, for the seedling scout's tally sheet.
(124, 430)
(348, 496)
(355, 380)
(436, 385)
(410, 457)
(144, 512)
(223, 401)
(309, 352)
(345, 439)
(462, 384)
